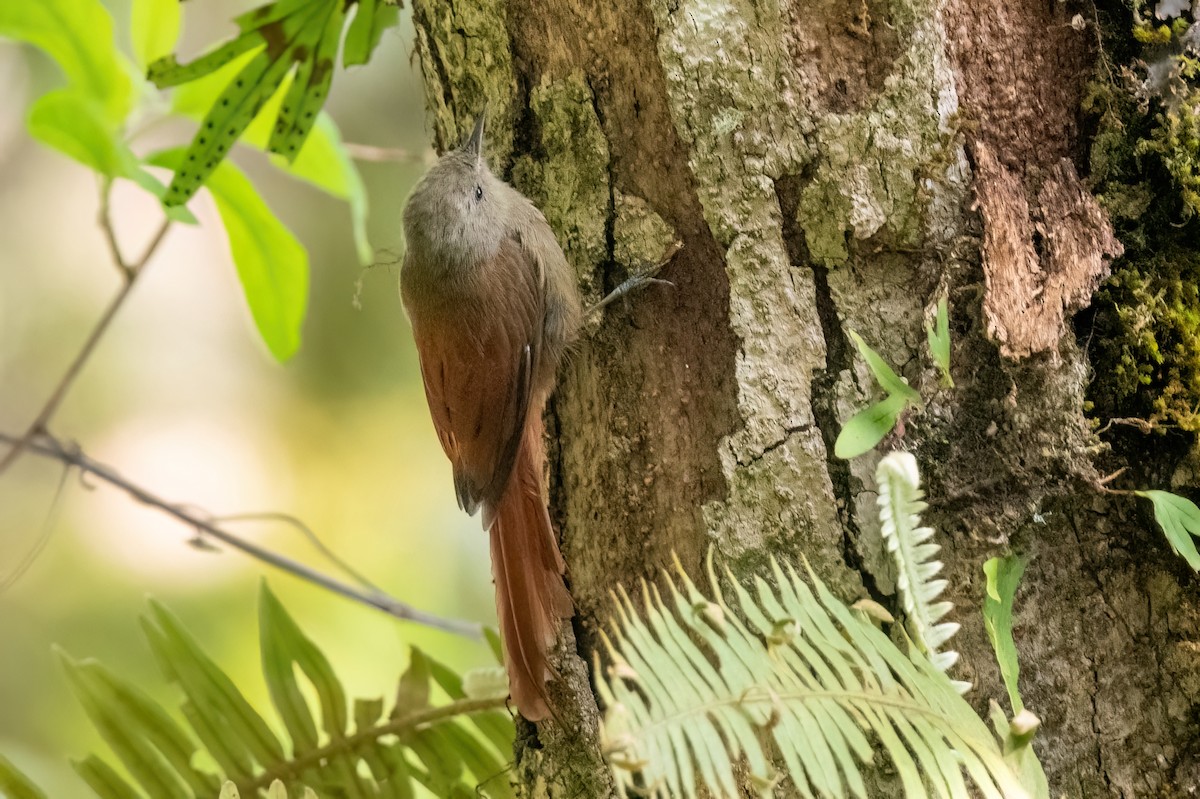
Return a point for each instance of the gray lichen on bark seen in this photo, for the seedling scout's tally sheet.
(889, 169)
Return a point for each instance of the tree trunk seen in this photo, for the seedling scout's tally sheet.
(832, 166)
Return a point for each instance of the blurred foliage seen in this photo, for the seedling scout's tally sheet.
(455, 749)
(1144, 104)
(292, 42)
(180, 398)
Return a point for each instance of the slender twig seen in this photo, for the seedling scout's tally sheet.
(1106, 480)
(130, 273)
(47, 446)
(307, 532)
(370, 152)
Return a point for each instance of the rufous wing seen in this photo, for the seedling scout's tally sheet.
(480, 348)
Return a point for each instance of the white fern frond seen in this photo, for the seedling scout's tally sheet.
(790, 676)
(900, 504)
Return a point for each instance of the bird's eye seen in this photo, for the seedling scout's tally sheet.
(478, 193)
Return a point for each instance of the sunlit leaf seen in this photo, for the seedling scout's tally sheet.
(154, 28)
(274, 39)
(71, 123)
(323, 160)
(1179, 519)
(888, 380)
(867, 428)
(271, 264)
(1003, 576)
(78, 35)
(74, 124)
(371, 19)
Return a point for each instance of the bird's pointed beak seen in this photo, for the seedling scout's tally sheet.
(474, 145)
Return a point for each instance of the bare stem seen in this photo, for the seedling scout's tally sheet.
(370, 152)
(45, 445)
(130, 273)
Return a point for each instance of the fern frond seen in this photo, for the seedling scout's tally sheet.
(900, 504)
(458, 748)
(787, 674)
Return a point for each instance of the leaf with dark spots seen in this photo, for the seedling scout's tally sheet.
(277, 38)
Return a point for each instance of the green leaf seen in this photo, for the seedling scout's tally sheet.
(154, 28)
(381, 759)
(78, 35)
(284, 647)
(104, 781)
(494, 644)
(1017, 736)
(789, 675)
(1003, 576)
(274, 39)
(371, 19)
(14, 784)
(73, 123)
(323, 160)
(413, 691)
(309, 89)
(146, 742)
(867, 428)
(221, 717)
(888, 380)
(939, 342)
(1179, 519)
(271, 264)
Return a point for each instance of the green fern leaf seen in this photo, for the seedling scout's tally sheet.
(786, 674)
(456, 748)
(15, 785)
(900, 504)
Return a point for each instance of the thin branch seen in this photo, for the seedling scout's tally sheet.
(43, 538)
(370, 152)
(307, 532)
(131, 273)
(49, 447)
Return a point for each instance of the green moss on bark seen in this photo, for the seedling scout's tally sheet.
(466, 60)
(1144, 332)
(567, 174)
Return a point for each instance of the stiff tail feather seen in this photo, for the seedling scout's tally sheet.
(527, 567)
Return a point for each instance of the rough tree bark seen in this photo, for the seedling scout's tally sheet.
(831, 166)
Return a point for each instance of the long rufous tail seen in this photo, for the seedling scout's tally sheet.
(527, 568)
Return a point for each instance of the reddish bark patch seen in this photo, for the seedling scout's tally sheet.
(1040, 264)
(1021, 69)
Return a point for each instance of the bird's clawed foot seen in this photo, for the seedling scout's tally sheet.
(641, 278)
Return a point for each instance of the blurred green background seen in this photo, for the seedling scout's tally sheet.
(183, 398)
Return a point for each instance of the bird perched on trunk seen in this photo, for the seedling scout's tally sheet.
(494, 306)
